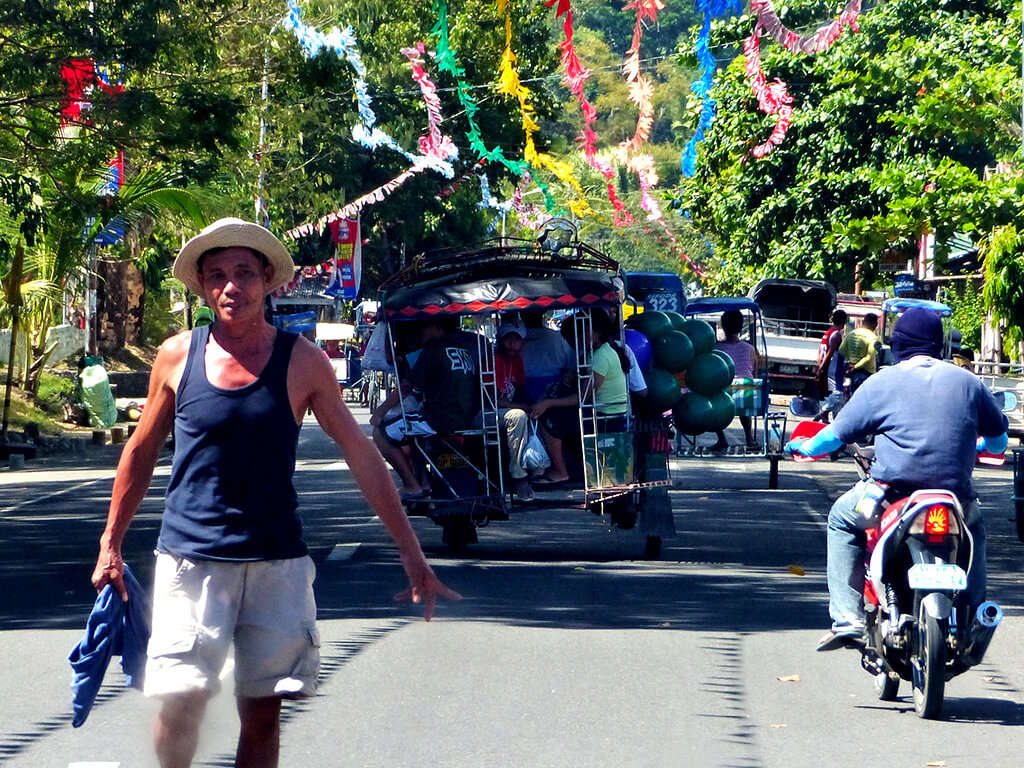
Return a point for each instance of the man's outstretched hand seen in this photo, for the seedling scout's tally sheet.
(425, 587)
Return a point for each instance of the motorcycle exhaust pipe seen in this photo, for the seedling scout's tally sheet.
(979, 634)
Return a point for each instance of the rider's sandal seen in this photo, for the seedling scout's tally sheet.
(832, 641)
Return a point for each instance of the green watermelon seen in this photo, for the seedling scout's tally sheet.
(708, 374)
(662, 389)
(722, 412)
(692, 414)
(701, 334)
(677, 320)
(728, 362)
(650, 324)
(673, 351)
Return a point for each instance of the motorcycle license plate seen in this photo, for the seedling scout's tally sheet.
(937, 576)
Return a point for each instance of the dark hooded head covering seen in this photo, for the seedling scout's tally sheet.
(918, 331)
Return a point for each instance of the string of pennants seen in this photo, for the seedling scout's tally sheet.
(437, 152)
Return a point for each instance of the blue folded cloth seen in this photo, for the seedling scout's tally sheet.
(114, 628)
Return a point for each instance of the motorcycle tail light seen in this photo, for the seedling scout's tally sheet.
(935, 522)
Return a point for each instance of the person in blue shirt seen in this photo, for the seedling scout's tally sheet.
(927, 416)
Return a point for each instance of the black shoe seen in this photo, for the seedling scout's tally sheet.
(847, 638)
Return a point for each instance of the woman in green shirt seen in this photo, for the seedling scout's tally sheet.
(610, 367)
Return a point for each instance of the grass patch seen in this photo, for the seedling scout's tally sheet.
(46, 411)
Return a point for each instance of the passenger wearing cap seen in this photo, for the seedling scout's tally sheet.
(927, 416)
(232, 568)
(510, 377)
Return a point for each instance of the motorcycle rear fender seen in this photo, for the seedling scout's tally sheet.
(937, 605)
(893, 536)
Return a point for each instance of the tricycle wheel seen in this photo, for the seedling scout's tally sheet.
(458, 535)
(652, 549)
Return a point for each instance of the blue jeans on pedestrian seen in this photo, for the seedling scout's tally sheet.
(847, 544)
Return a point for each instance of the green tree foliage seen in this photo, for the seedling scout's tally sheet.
(968, 307)
(892, 129)
(180, 106)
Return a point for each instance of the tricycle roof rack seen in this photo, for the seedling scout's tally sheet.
(504, 276)
(507, 256)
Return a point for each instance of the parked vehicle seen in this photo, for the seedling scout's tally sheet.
(919, 552)
(796, 315)
(655, 291)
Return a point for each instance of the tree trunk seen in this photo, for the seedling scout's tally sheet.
(119, 300)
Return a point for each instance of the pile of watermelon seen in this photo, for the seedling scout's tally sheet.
(684, 372)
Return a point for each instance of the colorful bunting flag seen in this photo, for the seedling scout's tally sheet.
(510, 85)
(701, 87)
(575, 78)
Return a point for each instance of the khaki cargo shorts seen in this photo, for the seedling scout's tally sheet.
(201, 607)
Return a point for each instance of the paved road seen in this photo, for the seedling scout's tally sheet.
(566, 651)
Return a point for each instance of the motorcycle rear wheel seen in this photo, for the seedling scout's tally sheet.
(930, 666)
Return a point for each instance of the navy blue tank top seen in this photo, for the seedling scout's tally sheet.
(230, 495)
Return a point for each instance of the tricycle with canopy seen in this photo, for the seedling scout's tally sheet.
(478, 289)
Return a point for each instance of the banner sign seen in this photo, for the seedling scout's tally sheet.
(348, 261)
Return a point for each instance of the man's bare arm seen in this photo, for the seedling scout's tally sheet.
(370, 472)
(139, 457)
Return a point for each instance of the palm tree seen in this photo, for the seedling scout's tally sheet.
(79, 211)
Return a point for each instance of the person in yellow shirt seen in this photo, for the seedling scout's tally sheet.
(860, 350)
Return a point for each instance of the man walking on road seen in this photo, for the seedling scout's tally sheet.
(231, 563)
(831, 370)
(860, 348)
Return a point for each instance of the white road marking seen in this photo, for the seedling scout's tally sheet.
(158, 472)
(343, 551)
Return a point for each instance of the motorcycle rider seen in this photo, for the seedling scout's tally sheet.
(926, 416)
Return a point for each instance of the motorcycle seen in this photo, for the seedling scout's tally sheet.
(919, 552)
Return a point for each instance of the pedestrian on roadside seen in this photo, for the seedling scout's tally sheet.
(232, 567)
(859, 349)
(831, 373)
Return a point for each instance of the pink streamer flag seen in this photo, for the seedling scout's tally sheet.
(575, 78)
(434, 146)
(822, 38)
(774, 98)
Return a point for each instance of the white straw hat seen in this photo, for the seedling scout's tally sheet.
(234, 233)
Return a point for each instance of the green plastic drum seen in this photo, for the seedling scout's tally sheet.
(722, 412)
(662, 389)
(701, 334)
(677, 320)
(708, 374)
(728, 362)
(651, 324)
(673, 351)
(692, 414)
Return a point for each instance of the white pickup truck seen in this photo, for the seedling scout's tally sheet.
(796, 315)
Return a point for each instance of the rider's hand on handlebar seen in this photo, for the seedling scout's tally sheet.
(795, 446)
